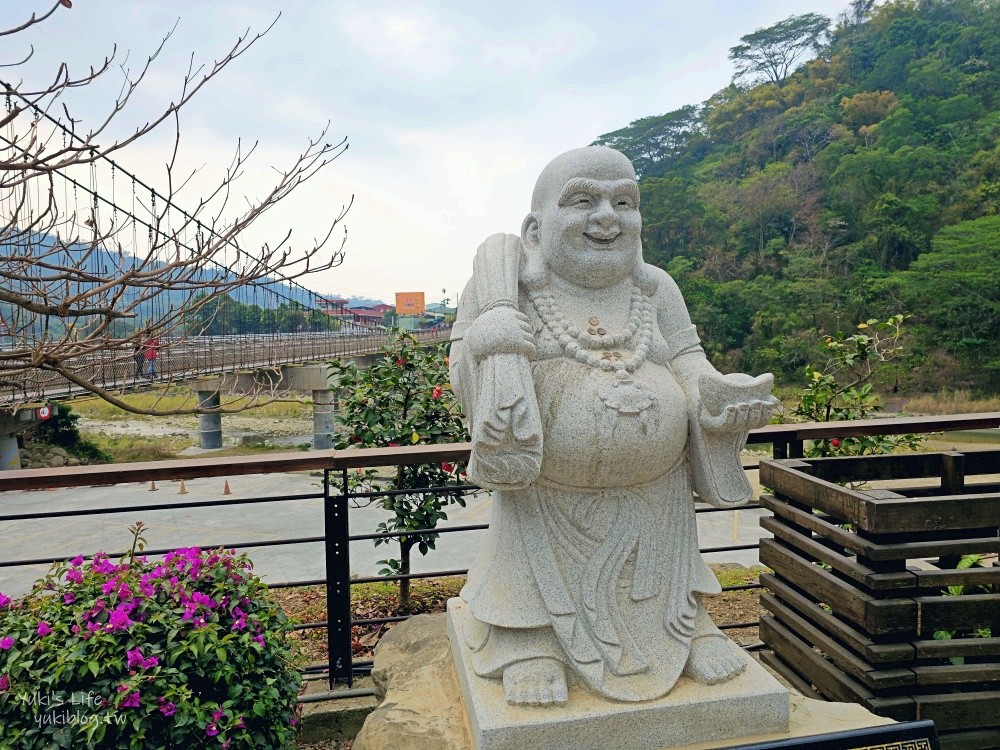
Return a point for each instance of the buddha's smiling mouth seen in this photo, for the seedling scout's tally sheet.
(602, 240)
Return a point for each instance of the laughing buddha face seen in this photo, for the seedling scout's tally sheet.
(585, 217)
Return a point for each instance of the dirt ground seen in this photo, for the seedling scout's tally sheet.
(176, 426)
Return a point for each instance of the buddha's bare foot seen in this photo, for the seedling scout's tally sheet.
(712, 660)
(536, 682)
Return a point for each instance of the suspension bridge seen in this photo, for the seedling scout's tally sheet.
(181, 291)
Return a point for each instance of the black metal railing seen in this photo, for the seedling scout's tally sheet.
(336, 500)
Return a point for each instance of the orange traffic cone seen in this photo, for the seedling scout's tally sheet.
(183, 489)
(226, 490)
(152, 486)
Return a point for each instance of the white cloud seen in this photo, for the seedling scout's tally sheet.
(412, 44)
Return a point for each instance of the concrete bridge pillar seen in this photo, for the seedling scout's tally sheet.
(324, 408)
(9, 456)
(209, 425)
(316, 378)
(10, 426)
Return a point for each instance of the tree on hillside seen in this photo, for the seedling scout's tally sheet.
(856, 14)
(93, 263)
(652, 143)
(770, 54)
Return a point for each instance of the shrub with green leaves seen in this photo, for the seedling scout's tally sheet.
(843, 389)
(61, 430)
(403, 399)
(187, 652)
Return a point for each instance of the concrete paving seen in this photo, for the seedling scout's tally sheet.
(221, 526)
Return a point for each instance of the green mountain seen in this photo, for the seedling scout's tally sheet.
(863, 184)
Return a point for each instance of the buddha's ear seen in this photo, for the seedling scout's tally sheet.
(529, 231)
(534, 274)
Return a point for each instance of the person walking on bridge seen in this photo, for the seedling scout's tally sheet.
(152, 349)
(139, 356)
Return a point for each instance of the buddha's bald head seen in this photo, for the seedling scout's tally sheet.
(584, 224)
(594, 162)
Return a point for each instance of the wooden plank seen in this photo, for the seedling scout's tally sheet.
(936, 548)
(818, 525)
(830, 681)
(934, 513)
(979, 739)
(967, 577)
(952, 473)
(816, 493)
(981, 462)
(861, 427)
(852, 569)
(821, 584)
(878, 547)
(975, 647)
(872, 678)
(971, 487)
(193, 468)
(961, 710)
(793, 678)
(875, 616)
(953, 612)
(871, 468)
(957, 674)
(857, 641)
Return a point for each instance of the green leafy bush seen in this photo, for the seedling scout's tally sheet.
(403, 399)
(60, 429)
(189, 652)
(843, 389)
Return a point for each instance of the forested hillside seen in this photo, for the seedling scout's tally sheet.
(863, 184)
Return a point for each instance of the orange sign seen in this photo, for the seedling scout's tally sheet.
(409, 303)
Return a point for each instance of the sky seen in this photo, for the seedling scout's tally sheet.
(450, 109)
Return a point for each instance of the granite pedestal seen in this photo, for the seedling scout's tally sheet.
(753, 703)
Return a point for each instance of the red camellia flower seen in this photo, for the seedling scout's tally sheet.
(436, 392)
(835, 443)
(447, 467)
(400, 362)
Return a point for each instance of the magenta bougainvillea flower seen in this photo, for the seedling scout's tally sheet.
(136, 659)
(132, 701)
(126, 618)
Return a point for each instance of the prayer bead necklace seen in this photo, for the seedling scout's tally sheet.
(578, 344)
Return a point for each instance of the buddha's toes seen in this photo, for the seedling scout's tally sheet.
(536, 682)
(712, 660)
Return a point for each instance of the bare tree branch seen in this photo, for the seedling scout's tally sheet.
(89, 279)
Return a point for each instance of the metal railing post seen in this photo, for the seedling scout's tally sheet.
(338, 582)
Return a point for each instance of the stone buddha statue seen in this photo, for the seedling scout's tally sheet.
(595, 414)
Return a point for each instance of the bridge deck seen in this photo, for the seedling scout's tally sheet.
(194, 357)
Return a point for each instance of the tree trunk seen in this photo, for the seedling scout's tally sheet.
(405, 545)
